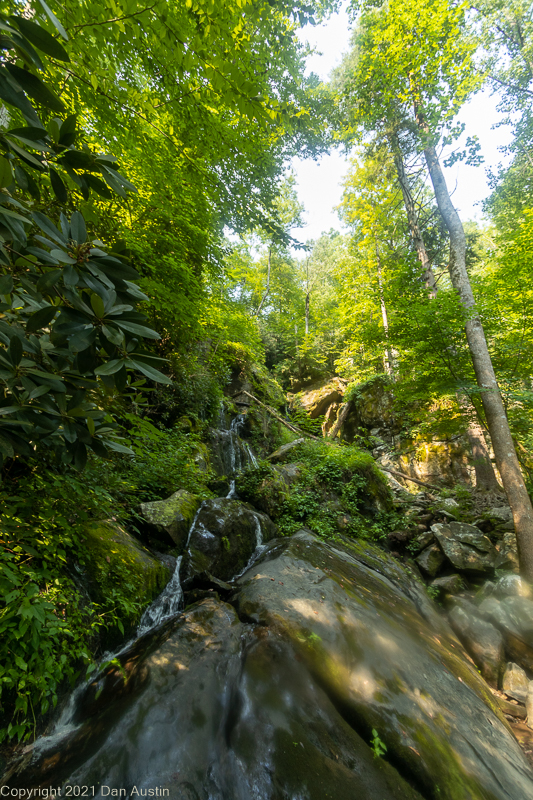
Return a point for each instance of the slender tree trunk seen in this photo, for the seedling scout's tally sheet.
(267, 289)
(307, 298)
(388, 360)
(502, 441)
(485, 476)
(412, 218)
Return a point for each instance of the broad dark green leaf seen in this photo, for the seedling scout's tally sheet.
(41, 319)
(6, 284)
(67, 131)
(35, 88)
(15, 97)
(15, 350)
(6, 174)
(150, 372)
(77, 159)
(54, 20)
(59, 188)
(31, 133)
(77, 228)
(40, 38)
(43, 255)
(110, 367)
(98, 185)
(49, 279)
(138, 330)
(49, 228)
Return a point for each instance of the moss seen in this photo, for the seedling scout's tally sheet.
(117, 564)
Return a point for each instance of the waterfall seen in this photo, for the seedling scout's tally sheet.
(234, 450)
(166, 605)
(236, 454)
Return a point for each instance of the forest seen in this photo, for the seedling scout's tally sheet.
(155, 296)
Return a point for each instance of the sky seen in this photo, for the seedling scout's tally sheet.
(320, 182)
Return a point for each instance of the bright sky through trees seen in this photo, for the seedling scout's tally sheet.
(319, 182)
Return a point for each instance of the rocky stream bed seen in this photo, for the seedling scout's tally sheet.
(303, 668)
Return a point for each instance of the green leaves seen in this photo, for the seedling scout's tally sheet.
(40, 37)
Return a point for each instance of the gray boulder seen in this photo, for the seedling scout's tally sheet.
(171, 519)
(225, 535)
(430, 560)
(512, 586)
(515, 683)
(420, 542)
(285, 450)
(481, 640)
(449, 584)
(513, 616)
(502, 514)
(507, 558)
(466, 547)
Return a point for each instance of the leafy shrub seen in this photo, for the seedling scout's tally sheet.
(47, 626)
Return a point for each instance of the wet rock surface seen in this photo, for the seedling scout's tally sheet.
(223, 538)
(513, 616)
(278, 696)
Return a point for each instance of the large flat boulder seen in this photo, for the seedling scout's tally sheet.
(334, 652)
(468, 549)
(219, 711)
(376, 645)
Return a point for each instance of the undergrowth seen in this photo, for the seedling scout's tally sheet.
(337, 488)
(50, 628)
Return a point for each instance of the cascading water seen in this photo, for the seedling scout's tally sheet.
(235, 455)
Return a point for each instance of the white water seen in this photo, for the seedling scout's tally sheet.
(166, 605)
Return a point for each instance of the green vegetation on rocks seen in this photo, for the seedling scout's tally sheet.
(328, 487)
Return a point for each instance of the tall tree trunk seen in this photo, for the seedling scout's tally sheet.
(388, 360)
(502, 441)
(307, 314)
(485, 476)
(412, 218)
(267, 289)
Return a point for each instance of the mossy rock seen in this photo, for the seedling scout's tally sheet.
(169, 520)
(114, 560)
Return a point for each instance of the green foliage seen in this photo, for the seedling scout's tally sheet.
(69, 326)
(379, 748)
(47, 628)
(333, 481)
(50, 629)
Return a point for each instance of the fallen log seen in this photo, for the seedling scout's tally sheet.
(288, 425)
(408, 478)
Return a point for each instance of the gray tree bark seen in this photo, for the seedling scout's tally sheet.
(502, 441)
(485, 476)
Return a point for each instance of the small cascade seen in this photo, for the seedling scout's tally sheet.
(234, 451)
(259, 547)
(249, 452)
(166, 605)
